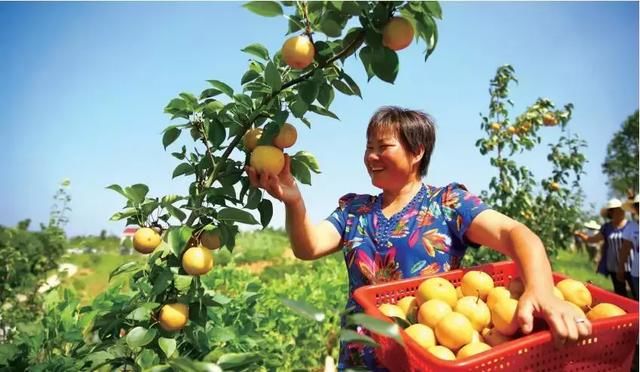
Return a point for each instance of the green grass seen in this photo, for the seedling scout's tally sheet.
(577, 266)
(92, 277)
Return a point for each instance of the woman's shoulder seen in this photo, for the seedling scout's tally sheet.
(353, 201)
(448, 191)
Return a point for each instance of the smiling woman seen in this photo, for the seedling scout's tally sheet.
(413, 229)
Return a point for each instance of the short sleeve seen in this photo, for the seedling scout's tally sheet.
(460, 207)
(339, 216)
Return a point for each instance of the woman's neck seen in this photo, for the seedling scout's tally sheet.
(619, 223)
(401, 196)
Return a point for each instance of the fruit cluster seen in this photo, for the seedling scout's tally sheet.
(197, 260)
(454, 323)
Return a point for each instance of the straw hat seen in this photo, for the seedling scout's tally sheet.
(611, 204)
(628, 205)
(592, 225)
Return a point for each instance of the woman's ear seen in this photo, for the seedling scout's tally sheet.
(417, 158)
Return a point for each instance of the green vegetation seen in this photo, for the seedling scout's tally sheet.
(577, 265)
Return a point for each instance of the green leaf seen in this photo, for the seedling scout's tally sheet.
(264, 8)
(294, 24)
(167, 345)
(347, 335)
(7, 352)
(147, 359)
(304, 309)
(136, 193)
(308, 159)
(177, 238)
(300, 171)
(385, 64)
(249, 76)
(257, 50)
(377, 325)
(224, 88)
(208, 93)
(236, 215)
(433, 7)
(216, 134)
(366, 56)
(351, 8)
(322, 111)
(140, 336)
(272, 76)
(325, 95)
(143, 312)
(298, 107)
(126, 213)
(255, 195)
(266, 212)
(352, 84)
(118, 189)
(127, 267)
(187, 365)
(176, 212)
(170, 135)
(183, 283)
(342, 87)
(308, 91)
(182, 168)
(330, 27)
(237, 360)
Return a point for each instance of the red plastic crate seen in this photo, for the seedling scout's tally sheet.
(609, 348)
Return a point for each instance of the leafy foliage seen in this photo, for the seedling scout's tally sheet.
(550, 206)
(621, 163)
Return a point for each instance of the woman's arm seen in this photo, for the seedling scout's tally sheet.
(515, 240)
(308, 241)
(590, 239)
(623, 256)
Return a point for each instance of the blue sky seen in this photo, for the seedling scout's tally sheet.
(84, 86)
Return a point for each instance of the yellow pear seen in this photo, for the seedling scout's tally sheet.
(397, 34)
(575, 292)
(472, 349)
(432, 311)
(475, 310)
(459, 292)
(476, 283)
(437, 288)
(409, 306)
(454, 330)
(516, 287)
(604, 310)
(173, 317)
(298, 52)
(496, 294)
(422, 335)
(267, 159)
(503, 316)
(391, 310)
(442, 352)
(494, 338)
(558, 293)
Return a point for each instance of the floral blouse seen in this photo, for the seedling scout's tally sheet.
(426, 237)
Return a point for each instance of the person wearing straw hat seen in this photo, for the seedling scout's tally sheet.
(628, 258)
(611, 234)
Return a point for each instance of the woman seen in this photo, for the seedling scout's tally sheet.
(413, 229)
(628, 258)
(611, 234)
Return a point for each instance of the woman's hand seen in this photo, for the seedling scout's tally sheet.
(282, 186)
(565, 322)
(582, 236)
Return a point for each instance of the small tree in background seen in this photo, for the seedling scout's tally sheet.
(621, 163)
(550, 206)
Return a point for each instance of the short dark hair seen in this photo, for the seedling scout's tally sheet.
(416, 130)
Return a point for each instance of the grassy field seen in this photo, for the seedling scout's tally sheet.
(577, 266)
(269, 250)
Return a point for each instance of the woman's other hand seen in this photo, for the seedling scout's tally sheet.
(565, 323)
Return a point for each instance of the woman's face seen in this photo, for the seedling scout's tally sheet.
(616, 214)
(388, 163)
